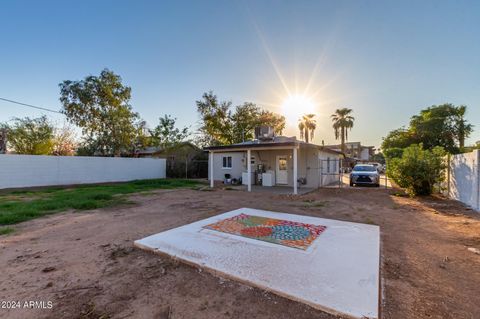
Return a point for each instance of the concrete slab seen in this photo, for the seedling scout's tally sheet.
(338, 273)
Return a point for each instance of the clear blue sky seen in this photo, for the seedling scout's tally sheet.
(384, 59)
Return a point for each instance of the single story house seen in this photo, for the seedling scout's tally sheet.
(276, 161)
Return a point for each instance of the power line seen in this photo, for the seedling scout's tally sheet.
(29, 105)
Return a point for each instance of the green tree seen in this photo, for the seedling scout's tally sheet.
(143, 137)
(31, 136)
(243, 122)
(399, 138)
(216, 127)
(166, 134)
(307, 126)
(379, 158)
(342, 122)
(462, 128)
(3, 138)
(439, 125)
(418, 170)
(220, 125)
(274, 120)
(100, 106)
(64, 141)
(393, 152)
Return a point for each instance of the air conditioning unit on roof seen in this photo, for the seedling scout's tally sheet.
(264, 133)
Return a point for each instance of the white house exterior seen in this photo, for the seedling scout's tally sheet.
(283, 161)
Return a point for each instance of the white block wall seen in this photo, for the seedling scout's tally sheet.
(39, 170)
(464, 180)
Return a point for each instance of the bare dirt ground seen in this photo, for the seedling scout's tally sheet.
(85, 263)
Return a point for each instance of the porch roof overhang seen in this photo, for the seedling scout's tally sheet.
(268, 146)
(256, 146)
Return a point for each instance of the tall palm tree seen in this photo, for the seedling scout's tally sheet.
(342, 121)
(307, 126)
(463, 129)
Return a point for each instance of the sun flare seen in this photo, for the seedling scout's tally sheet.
(295, 106)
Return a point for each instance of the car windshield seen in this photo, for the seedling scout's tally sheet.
(364, 168)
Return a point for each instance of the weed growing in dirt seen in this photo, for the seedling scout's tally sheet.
(315, 203)
(26, 205)
(6, 230)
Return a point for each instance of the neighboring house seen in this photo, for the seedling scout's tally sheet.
(355, 150)
(275, 161)
(183, 160)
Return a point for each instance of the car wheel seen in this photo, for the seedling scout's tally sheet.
(377, 185)
(351, 184)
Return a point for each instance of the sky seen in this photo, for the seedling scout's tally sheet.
(386, 60)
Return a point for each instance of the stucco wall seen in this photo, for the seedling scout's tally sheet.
(309, 165)
(238, 166)
(464, 180)
(39, 170)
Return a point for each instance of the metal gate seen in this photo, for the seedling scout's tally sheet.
(330, 172)
(333, 174)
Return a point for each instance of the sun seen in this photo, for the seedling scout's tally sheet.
(295, 106)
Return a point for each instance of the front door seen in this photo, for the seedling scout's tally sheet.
(282, 170)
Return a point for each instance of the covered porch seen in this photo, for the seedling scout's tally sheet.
(267, 167)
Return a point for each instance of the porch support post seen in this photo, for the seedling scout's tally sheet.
(210, 160)
(249, 170)
(295, 171)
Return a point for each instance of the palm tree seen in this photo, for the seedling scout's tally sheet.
(342, 120)
(307, 126)
(463, 129)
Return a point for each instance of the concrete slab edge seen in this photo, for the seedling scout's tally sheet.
(221, 274)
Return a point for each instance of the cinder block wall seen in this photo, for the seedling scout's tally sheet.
(464, 179)
(39, 170)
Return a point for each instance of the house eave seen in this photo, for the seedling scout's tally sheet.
(268, 146)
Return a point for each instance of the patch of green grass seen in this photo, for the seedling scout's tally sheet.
(315, 203)
(6, 230)
(369, 221)
(21, 205)
(203, 188)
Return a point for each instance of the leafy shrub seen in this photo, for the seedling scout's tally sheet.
(393, 153)
(418, 170)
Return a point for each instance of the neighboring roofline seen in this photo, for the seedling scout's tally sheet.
(329, 150)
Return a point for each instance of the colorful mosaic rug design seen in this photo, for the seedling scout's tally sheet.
(282, 232)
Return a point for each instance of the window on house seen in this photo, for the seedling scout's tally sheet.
(227, 162)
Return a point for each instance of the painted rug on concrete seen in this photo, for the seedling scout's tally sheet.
(278, 231)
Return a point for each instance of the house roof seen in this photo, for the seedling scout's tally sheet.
(277, 142)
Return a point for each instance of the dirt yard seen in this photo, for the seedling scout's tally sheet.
(85, 263)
